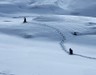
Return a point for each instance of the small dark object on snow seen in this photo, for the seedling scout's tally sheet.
(25, 21)
(70, 51)
(75, 33)
(92, 23)
(27, 36)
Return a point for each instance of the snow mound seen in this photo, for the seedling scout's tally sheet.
(47, 9)
(47, 19)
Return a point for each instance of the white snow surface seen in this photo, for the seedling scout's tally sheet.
(41, 46)
(41, 53)
(73, 7)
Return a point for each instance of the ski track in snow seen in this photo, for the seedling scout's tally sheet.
(64, 39)
(26, 49)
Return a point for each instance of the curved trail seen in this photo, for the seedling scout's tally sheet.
(88, 57)
(63, 40)
(60, 33)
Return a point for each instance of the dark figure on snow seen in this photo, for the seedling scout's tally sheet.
(70, 51)
(25, 21)
(75, 33)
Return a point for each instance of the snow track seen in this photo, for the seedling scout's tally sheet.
(22, 32)
(88, 57)
(60, 33)
(41, 46)
(63, 40)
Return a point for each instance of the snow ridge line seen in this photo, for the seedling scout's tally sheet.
(62, 42)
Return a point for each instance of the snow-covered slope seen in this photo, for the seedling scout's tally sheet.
(42, 7)
(73, 7)
(41, 46)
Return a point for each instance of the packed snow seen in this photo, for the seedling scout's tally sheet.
(41, 46)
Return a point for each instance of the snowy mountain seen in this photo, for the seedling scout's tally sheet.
(52, 42)
(73, 7)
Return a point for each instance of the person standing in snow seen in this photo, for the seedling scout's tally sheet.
(25, 21)
(70, 51)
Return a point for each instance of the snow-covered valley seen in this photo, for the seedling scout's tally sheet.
(41, 46)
